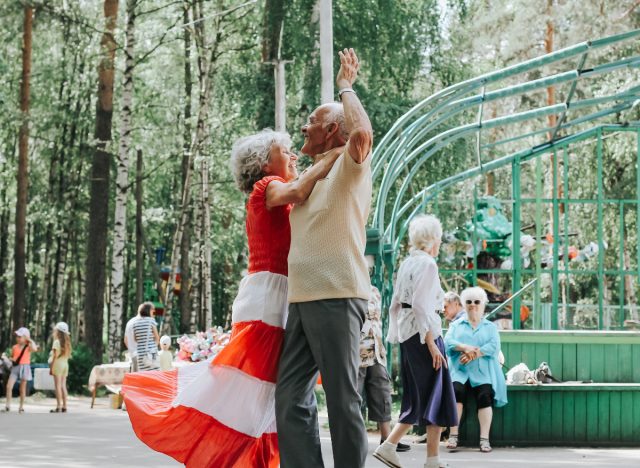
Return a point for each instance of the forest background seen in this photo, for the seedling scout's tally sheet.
(117, 119)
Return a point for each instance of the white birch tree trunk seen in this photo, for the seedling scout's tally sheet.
(122, 188)
(196, 298)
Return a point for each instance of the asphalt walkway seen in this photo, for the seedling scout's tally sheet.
(102, 437)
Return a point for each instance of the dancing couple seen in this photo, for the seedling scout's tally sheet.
(298, 312)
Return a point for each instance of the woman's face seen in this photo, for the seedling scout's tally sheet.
(475, 307)
(281, 163)
(434, 250)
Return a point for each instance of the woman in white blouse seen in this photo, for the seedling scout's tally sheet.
(428, 398)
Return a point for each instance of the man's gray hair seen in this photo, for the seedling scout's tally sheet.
(451, 296)
(476, 292)
(250, 154)
(335, 114)
(424, 231)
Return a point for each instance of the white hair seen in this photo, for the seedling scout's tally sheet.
(451, 296)
(424, 232)
(250, 154)
(335, 114)
(471, 294)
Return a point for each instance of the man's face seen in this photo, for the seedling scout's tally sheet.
(451, 309)
(315, 133)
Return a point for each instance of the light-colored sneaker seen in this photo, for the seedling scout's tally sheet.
(386, 453)
(439, 464)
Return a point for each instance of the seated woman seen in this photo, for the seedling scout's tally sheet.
(473, 349)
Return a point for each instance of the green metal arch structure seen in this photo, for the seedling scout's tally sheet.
(421, 140)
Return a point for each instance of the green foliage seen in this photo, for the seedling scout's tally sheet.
(40, 356)
(80, 366)
(408, 49)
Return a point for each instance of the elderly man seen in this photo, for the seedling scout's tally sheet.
(453, 309)
(328, 287)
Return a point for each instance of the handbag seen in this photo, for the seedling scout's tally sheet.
(15, 363)
(150, 359)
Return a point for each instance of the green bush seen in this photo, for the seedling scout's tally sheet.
(41, 356)
(80, 366)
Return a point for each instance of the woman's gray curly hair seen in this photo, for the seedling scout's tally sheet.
(250, 154)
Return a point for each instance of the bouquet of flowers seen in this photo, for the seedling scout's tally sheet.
(202, 345)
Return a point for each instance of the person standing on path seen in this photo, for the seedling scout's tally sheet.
(59, 364)
(374, 383)
(428, 398)
(21, 370)
(328, 287)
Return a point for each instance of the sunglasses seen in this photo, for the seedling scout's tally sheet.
(476, 302)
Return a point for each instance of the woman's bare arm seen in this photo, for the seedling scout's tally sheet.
(280, 193)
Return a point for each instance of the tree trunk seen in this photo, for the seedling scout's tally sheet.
(99, 197)
(206, 245)
(184, 299)
(273, 20)
(139, 238)
(20, 277)
(122, 190)
(552, 119)
(5, 314)
(196, 275)
(629, 288)
(326, 50)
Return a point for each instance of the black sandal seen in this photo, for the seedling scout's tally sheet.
(64, 410)
(57, 410)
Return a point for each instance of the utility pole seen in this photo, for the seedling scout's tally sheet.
(326, 51)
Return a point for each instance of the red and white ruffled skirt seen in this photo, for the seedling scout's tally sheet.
(220, 413)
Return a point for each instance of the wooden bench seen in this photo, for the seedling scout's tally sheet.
(603, 413)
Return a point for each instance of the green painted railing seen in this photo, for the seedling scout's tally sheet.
(457, 112)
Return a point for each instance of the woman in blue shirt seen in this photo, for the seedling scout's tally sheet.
(473, 347)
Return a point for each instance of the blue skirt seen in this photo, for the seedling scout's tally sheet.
(22, 372)
(427, 395)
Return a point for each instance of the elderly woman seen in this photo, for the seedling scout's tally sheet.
(453, 309)
(473, 349)
(221, 413)
(414, 321)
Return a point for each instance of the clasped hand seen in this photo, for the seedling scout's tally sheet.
(471, 353)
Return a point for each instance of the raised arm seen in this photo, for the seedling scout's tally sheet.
(280, 193)
(356, 119)
(33, 345)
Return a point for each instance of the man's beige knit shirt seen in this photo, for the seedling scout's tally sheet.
(328, 236)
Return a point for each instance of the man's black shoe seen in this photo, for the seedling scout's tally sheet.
(401, 447)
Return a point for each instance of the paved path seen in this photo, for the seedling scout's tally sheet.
(102, 437)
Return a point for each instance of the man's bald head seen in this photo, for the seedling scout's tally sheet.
(333, 112)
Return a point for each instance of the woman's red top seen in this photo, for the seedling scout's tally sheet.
(268, 231)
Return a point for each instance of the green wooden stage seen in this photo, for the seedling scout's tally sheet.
(604, 413)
